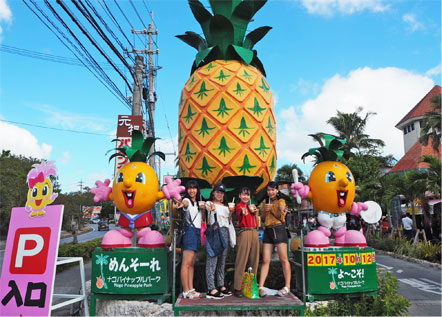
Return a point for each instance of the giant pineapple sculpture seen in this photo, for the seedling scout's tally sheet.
(226, 117)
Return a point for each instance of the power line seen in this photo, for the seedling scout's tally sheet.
(127, 20)
(85, 12)
(106, 25)
(138, 15)
(146, 5)
(114, 20)
(92, 61)
(91, 39)
(76, 51)
(44, 56)
(52, 128)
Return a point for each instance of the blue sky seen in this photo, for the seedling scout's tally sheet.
(321, 56)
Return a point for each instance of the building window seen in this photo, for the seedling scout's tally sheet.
(412, 126)
(405, 131)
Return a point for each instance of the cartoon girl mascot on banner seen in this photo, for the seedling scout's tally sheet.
(134, 191)
(40, 188)
(331, 188)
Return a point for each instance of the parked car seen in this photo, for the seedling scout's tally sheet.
(94, 220)
(103, 225)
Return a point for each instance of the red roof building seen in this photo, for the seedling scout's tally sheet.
(411, 127)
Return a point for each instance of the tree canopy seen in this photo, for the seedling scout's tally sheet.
(431, 125)
(284, 173)
(351, 127)
(13, 189)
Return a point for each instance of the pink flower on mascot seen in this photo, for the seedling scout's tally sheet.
(331, 188)
(135, 189)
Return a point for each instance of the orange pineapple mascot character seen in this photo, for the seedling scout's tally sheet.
(331, 188)
(135, 189)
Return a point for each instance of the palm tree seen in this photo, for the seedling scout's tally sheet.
(433, 174)
(351, 126)
(413, 186)
(284, 173)
(431, 124)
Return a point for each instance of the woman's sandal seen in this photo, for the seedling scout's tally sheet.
(186, 293)
(191, 294)
(195, 295)
(262, 292)
(283, 292)
(217, 295)
(225, 291)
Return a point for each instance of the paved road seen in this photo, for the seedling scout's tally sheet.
(72, 287)
(81, 238)
(90, 235)
(419, 283)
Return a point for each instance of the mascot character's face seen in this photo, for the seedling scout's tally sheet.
(332, 186)
(135, 188)
(40, 194)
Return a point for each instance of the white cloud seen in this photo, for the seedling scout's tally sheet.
(65, 158)
(5, 12)
(167, 147)
(71, 120)
(21, 142)
(346, 7)
(5, 15)
(305, 87)
(390, 92)
(434, 71)
(412, 23)
(92, 178)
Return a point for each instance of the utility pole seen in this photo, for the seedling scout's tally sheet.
(139, 74)
(159, 166)
(81, 186)
(138, 85)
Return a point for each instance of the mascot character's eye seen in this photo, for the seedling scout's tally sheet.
(34, 192)
(349, 177)
(120, 178)
(140, 178)
(45, 190)
(330, 177)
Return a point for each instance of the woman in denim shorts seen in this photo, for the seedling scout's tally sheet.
(273, 211)
(192, 217)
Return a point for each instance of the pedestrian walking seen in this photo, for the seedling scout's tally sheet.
(407, 225)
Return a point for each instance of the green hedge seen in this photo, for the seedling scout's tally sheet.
(82, 249)
(386, 303)
(427, 251)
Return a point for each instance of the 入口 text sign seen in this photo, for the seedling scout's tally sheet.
(28, 270)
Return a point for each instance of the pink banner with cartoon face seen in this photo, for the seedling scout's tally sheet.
(28, 270)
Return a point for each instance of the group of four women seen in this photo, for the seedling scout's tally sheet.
(273, 210)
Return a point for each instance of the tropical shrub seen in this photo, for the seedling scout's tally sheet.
(386, 303)
(428, 251)
(82, 249)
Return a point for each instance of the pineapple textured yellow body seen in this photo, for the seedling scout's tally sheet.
(227, 123)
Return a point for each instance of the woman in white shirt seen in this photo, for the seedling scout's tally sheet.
(215, 265)
(192, 217)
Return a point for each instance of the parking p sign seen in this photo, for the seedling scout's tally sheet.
(28, 270)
